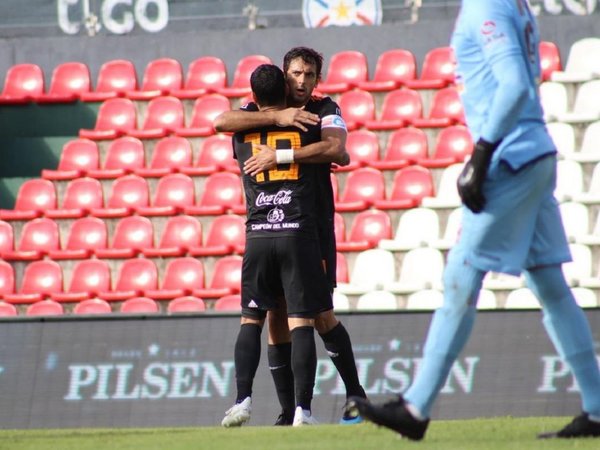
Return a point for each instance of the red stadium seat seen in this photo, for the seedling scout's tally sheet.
(133, 278)
(405, 146)
(206, 74)
(84, 237)
(215, 154)
(161, 76)
(411, 184)
(358, 108)
(229, 303)
(69, 80)
(393, 68)
(240, 85)
(33, 199)
(174, 193)
(81, 196)
(7, 279)
(182, 276)
(7, 240)
(123, 155)
(437, 70)
(139, 305)
(115, 78)
(180, 233)
(367, 229)
(163, 116)
(187, 304)
(341, 268)
(446, 109)
(45, 308)
(23, 83)
(7, 309)
(346, 70)
(92, 306)
(226, 235)
(206, 109)
(226, 278)
(40, 280)
(364, 186)
(132, 234)
(170, 155)
(399, 107)
(116, 117)
(363, 148)
(127, 194)
(88, 279)
(549, 59)
(222, 192)
(339, 225)
(38, 238)
(453, 144)
(78, 157)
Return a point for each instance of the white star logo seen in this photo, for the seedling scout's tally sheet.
(394, 345)
(153, 349)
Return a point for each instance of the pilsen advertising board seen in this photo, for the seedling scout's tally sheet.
(179, 371)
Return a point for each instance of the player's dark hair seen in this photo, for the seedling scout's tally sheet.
(268, 85)
(308, 55)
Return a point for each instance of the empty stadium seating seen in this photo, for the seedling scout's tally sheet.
(346, 70)
(181, 277)
(23, 83)
(393, 68)
(187, 304)
(240, 84)
(115, 78)
(205, 75)
(92, 306)
(437, 70)
(161, 166)
(161, 76)
(34, 197)
(116, 117)
(69, 80)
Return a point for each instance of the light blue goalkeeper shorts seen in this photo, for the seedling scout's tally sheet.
(520, 226)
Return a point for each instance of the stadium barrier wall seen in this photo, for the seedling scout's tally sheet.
(231, 45)
(178, 371)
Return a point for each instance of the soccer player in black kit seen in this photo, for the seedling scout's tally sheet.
(303, 70)
(282, 256)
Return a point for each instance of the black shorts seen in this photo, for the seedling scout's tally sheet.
(329, 254)
(288, 267)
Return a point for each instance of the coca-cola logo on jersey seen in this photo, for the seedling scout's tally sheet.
(282, 197)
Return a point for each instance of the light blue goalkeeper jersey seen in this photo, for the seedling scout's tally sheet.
(498, 72)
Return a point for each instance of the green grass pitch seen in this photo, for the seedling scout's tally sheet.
(488, 434)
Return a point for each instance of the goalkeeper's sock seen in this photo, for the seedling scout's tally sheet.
(569, 330)
(449, 330)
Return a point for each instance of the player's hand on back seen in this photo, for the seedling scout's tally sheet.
(295, 117)
(265, 159)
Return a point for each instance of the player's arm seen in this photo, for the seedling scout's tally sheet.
(504, 55)
(267, 158)
(240, 120)
(332, 127)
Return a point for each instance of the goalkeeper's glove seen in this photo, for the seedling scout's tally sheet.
(470, 181)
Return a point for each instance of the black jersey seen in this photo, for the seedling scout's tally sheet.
(281, 201)
(325, 205)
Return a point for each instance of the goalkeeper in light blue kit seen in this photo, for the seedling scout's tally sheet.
(511, 221)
